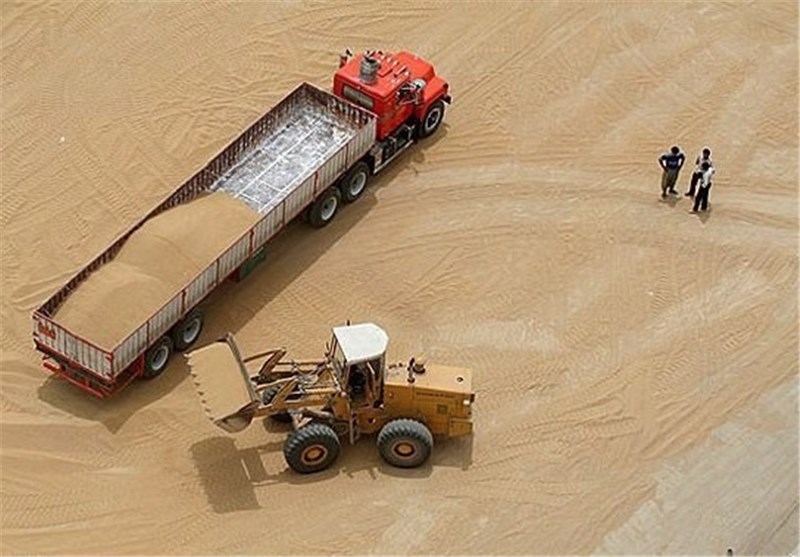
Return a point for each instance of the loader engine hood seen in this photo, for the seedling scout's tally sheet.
(436, 378)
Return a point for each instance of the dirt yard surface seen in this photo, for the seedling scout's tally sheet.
(636, 365)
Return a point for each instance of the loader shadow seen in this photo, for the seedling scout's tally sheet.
(232, 478)
(289, 254)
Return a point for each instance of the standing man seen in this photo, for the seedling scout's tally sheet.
(701, 201)
(672, 163)
(705, 156)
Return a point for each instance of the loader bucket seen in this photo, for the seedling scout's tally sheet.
(237, 421)
(223, 385)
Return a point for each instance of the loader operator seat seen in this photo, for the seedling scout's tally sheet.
(358, 382)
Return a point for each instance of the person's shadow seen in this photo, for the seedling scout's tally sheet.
(672, 200)
(703, 215)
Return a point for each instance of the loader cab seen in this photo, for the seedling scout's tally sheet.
(358, 353)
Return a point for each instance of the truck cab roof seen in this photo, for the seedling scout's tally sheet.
(362, 342)
(394, 70)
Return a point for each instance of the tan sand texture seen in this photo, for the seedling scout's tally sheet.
(156, 263)
(635, 365)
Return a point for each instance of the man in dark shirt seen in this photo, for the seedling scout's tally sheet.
(672, 163)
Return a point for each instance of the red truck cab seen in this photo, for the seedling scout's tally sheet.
(401, 89)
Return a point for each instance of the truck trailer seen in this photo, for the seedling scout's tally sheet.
(311, 153)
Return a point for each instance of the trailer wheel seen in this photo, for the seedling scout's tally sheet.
(188, 330)
(266, 398)
(432, 120)
(324, 208)
(355, 182)
(405, 443)
(312, 448)
(157, 358)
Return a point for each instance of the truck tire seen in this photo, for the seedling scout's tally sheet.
(432, 120)
(188, 330)
(355, 182)
(157, 358)
(312, 448)
(405, 443)
(266, 398)
(324, 207)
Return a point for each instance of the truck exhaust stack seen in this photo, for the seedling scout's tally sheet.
(368, 72)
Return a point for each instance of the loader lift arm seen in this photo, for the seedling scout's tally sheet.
(232, 397)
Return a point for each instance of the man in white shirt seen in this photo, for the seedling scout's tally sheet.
(701, 200)
(705, 156)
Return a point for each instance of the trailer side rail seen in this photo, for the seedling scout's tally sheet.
(84, 354)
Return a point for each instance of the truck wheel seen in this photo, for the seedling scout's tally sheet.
(405, 443)
(324, 208)
(432, 120)
(311, 449)
(157, 357)
(355, 182)
(187, 331)
(266, 398)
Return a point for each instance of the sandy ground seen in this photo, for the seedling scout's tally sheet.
(636, 365)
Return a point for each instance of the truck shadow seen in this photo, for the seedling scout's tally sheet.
(262, 285)
(235, 479)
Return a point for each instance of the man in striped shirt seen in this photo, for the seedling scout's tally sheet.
(701, 201)
(705, 156)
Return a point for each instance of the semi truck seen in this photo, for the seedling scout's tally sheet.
(310, 154)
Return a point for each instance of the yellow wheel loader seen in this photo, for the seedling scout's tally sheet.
(350, 392)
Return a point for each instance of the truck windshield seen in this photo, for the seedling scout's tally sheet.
(357, 97)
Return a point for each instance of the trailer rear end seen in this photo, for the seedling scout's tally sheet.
(280, 166)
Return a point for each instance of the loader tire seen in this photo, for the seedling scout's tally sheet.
(188, 330)
(355, 182)
(157, 358)
(405, 443)
(266, 398)
(432, 120)
(325, 207)
(312, 448)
